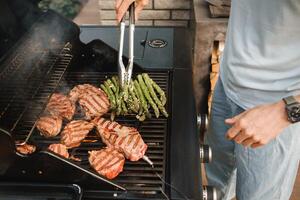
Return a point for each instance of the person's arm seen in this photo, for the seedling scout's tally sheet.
(123, 5)
(259, 125)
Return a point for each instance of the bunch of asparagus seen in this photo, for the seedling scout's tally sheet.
(137, 97)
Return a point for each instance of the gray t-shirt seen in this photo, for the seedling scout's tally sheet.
(261, 60)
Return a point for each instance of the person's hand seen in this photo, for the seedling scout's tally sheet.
(258, 126)
(123, 5)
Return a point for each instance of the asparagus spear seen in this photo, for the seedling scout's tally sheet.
(147, 95)
(118, 96)
(112, 116)
(119, 110)
(141, 117)
(125, 92)
(141, 96)
(130, 105)
(109, 90)
(122, 106)
(141, 110)
(112, 105)
(115, 81)
(135, 100)
(162, 94)
(153, 95)
(124, 109)
(111, 85)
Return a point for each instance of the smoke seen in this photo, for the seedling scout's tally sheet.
(32, 68)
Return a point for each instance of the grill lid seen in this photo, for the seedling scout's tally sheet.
(42, 41)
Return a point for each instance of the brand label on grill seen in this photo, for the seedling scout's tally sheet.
(157, 43)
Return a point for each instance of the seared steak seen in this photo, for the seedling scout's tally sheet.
(59, 149)
(49, 126)
(125, 139)
(77, 92)
(26, 149)
(74, 132)
(61, 105)
(92, 99)
(107, 162)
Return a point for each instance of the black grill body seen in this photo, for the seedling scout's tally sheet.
(51, 56)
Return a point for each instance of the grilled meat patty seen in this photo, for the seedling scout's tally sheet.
(49, 126)
(92, 99)
(61, 105)
(108, 162)
(26, 149)
(59, 149)
(125, 139)
(74, 132)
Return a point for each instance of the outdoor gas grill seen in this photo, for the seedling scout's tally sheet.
(42, 53)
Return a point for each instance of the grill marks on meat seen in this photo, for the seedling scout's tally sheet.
(107, 162)
(74, 132)
(93, 100)
(84, 89)
(26, 149)
(93, 106)
(49, 126)
(121, 141)
(59, 149)
(61, 105)
(125, 139)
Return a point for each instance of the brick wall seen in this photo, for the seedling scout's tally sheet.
(157, 13)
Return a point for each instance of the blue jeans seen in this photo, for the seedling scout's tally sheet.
(265, 173)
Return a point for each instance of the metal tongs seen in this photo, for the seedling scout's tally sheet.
(125, 73)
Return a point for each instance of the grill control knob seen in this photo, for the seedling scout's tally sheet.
(202, 121)
(205, 153)
(209, 193)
